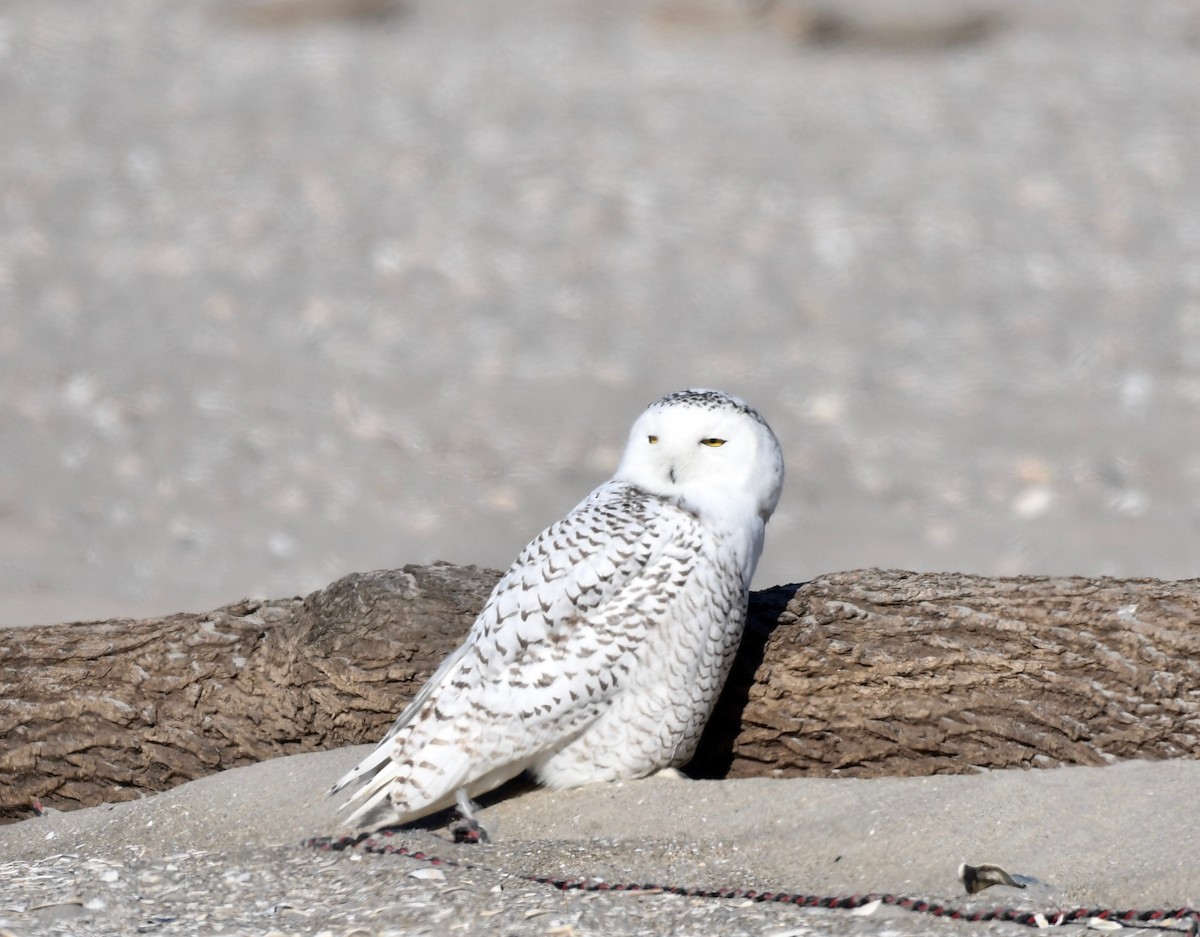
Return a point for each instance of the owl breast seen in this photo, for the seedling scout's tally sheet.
(685, 631)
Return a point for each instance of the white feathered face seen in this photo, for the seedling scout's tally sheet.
(707, 448)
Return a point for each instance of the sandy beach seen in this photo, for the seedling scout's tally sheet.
(225, 853)
(291, 289)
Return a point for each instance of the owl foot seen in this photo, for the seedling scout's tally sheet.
(467, 828)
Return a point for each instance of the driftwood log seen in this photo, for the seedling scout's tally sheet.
(857, 674)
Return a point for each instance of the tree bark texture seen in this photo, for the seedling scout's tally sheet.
(858, 674)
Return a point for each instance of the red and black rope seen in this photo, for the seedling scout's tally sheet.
(1158, 916)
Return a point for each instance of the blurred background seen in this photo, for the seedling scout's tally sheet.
(293, 288)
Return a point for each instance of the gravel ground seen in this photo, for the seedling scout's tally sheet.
(290, 288)
(223, 853)
(286, 892)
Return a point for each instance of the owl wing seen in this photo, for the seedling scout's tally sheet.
(552, 644)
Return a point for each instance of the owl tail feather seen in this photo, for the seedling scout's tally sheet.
(390, 799)
(366, 769)
(374, 762)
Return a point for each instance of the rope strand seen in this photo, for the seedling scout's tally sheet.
(1156, 916)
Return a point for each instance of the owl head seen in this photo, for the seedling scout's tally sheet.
(709, 450)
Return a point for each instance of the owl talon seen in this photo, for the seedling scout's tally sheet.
(467, 829)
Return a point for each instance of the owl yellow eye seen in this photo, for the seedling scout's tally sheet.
(713, 441)
(653, 439)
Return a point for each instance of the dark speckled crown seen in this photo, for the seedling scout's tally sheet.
(704, 399)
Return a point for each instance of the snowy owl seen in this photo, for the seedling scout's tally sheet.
(601, 652)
